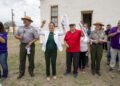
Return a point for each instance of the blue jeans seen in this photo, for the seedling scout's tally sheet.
(3, 62)
(109, 52)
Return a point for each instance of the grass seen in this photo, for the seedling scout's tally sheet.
(87, 79)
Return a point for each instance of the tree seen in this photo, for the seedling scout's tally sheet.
(9, 24)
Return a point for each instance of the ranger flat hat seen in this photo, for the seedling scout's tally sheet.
(98, 23)
(27, 18)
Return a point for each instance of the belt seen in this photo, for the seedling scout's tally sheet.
(26, 43)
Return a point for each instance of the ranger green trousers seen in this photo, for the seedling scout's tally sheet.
(96, 56)
(23, 55)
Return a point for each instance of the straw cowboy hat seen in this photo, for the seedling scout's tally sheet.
(27, 18)
(98, 23)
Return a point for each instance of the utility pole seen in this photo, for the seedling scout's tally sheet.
(13, 23)
(40, 12)
(24, 13)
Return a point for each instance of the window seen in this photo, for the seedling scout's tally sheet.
(54, 15)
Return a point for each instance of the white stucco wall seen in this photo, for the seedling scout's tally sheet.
(106, 11)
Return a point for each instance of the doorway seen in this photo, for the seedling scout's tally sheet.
(87, 17)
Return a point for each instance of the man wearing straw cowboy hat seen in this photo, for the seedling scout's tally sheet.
(97, 39)
(27, 35)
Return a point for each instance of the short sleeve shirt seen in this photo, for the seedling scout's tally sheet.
(73, 40)
(115, 40)
(28, 33)
(3, 46)
(97, 35)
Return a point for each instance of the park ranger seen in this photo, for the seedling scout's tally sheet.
(97, 39)
(27, 35)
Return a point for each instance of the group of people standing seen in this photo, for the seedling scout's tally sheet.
(79, 44)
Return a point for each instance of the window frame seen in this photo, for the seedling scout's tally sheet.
(56, 16)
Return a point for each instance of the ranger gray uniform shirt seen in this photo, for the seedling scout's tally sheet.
(28, 33)
(97, 35)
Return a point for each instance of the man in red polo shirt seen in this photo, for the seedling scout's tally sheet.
(72, 42)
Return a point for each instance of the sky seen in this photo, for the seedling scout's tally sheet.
(31, 7)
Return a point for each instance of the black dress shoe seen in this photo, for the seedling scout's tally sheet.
(98, 73)
(111, 69)
(66, 74)
(31, 74)
(75, 75)
(93, 72)
(20, 76)
(108, 63)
